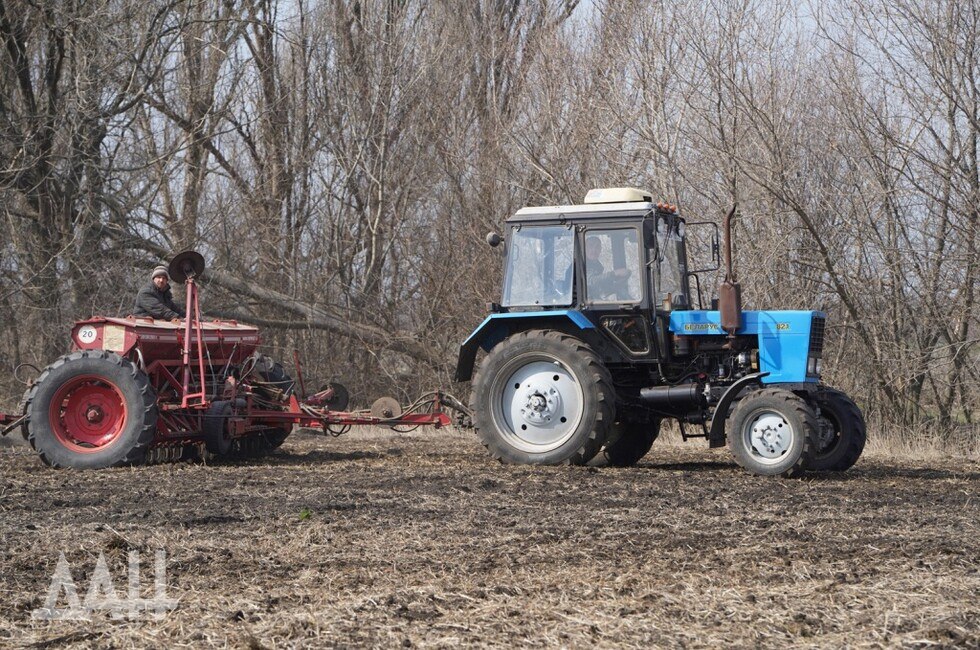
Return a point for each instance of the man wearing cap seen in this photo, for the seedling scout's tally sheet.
(156, 299)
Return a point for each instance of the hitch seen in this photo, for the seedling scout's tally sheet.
(10, 422)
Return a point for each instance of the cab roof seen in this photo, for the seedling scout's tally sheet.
(630, 209)
(600, 203)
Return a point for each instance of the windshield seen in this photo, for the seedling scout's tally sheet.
(539, 267)
(672, 275)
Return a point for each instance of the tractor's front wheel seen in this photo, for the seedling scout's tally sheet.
(91, 409)
(543, 397)
(842, 433)
(772, 432)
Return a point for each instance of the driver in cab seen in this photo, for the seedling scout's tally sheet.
(605, 282)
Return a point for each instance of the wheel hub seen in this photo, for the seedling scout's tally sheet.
(538, 403)
(94, 414)
(770, 435)
(88, 413)
(826, 434)
(542, 403)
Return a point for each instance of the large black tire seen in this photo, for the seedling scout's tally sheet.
(772, 432)
(24, 404)
(629, 442)
(215, 428)
(91, 409)
(274, 437)
(341, 397)
(842, 434)
(260, 443)
(280, 379)
(543, 397)
(219, 443)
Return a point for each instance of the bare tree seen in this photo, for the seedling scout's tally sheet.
(339, 164)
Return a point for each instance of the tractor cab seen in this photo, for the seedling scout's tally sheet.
(616, 251)
(617, 261)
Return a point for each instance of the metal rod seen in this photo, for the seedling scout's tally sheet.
(192, 319)
(186, 356)
(729, 270)
(299, 374)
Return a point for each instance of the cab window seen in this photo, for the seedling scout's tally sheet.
(672, 276)
(539, 267)
(613, 270)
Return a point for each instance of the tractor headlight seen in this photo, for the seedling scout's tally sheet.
(813, 366)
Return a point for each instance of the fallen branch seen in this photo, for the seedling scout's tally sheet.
(313, 317)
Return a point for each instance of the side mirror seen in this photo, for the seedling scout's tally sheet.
(714, 245)
(494, 239)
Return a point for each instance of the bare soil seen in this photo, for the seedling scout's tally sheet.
(388, 539)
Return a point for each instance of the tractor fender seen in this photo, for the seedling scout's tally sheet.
(716, 433)
(496, 327)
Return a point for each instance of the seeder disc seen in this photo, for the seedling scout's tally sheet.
(386, 408)
(340, 398)
(185, 265)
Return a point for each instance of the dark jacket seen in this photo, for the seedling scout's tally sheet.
(150, 301)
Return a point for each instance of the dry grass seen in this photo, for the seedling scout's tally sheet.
(926, 444)
(420, 540)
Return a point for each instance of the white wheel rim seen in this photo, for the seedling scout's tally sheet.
(768, 437)
(537, 403)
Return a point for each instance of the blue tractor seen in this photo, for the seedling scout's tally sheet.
(596, 341)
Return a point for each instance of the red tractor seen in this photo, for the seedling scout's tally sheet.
(137, 390)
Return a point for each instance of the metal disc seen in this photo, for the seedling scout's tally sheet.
(188, 264)
(386, 408)
(340, 399)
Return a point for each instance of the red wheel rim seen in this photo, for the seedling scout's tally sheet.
(88, 414)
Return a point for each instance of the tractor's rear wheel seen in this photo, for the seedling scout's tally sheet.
(772, 432)
(91, 409)
(543, 397)
(629, 442)
(842, 433)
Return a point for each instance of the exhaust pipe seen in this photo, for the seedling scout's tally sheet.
(730, 292)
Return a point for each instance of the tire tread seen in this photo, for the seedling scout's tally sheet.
(858, 429)
(793, 403)
(600, 378)
(136, 454)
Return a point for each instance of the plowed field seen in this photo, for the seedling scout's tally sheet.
(387, 539)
